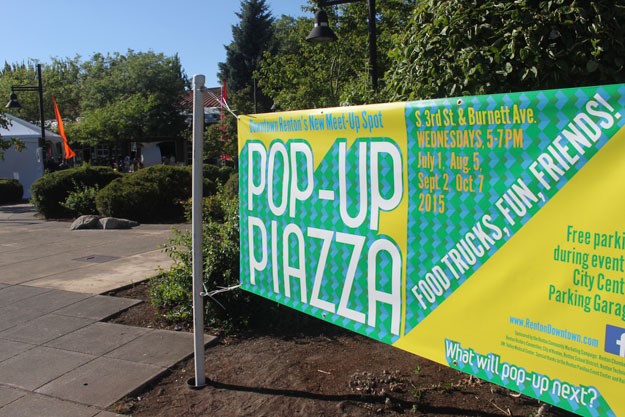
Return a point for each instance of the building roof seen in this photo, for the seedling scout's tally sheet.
(19, 128)
(211, 98)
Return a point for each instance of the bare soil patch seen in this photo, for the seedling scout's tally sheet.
(314, 370)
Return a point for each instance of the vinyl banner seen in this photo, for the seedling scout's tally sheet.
(485, 233)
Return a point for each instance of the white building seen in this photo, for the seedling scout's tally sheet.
(26, 166)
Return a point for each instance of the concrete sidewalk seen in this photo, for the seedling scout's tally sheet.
(57, 357)
(47, 254)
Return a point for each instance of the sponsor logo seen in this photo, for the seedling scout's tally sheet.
(615, 340)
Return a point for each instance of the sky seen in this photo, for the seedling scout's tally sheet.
(196, 30)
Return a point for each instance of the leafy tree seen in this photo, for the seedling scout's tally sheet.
(21, 74)
(250, 39)
(6, 143)
(61, 79)
(303, 75)
(300, 75)
(130, 97)
(457, 47)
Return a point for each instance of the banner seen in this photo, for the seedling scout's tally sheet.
(485, 233)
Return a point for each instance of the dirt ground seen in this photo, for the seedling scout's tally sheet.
(320, 370)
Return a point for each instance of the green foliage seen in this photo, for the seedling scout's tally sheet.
(251, 37)
(461, 47)
(22, 74)
(231, 187)
(61, 78)
(152, 195)
(81, 201)
(301, 75)
(214, 176)
(157, 194)
(117, 97)
(221, 139)
(172, 290)
(130, 97)
(49, 192)
(11, 191)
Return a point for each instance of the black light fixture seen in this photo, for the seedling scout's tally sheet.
(321, 32)
(14, 104)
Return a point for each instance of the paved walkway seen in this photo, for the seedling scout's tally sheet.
(57, 357)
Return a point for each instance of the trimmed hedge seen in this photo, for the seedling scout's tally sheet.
(11, 191)
(151, 195)
(49, 192)
(156, 194)
(231, 187)
(214, 175)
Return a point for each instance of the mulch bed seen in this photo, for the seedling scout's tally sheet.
(318, 370)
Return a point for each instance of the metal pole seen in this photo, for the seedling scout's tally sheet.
(372, 45)
(196, 220)
(42, 140)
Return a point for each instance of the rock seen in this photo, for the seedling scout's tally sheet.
(99, 222)
(115, 223)
(88, 221)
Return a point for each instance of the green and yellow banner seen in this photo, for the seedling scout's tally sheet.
(486, 233)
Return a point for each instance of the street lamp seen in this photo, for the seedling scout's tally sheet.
(14, 104)
(321, 32)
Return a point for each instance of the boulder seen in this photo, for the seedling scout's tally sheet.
(108, 223)
(88, 221)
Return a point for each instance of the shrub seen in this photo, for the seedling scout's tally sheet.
(462, 47)
(51, 191)
(232, 185)
(173, 290)
(213, 175)
(152, 195)
(156, 194)
(81, 201)
(11, 191)
(219, 174)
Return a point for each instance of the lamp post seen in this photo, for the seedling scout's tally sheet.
(321, 32)
(14, 104)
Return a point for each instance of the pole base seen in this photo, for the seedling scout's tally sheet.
(192, 385)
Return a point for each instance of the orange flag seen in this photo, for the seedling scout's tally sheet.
(68, 151)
